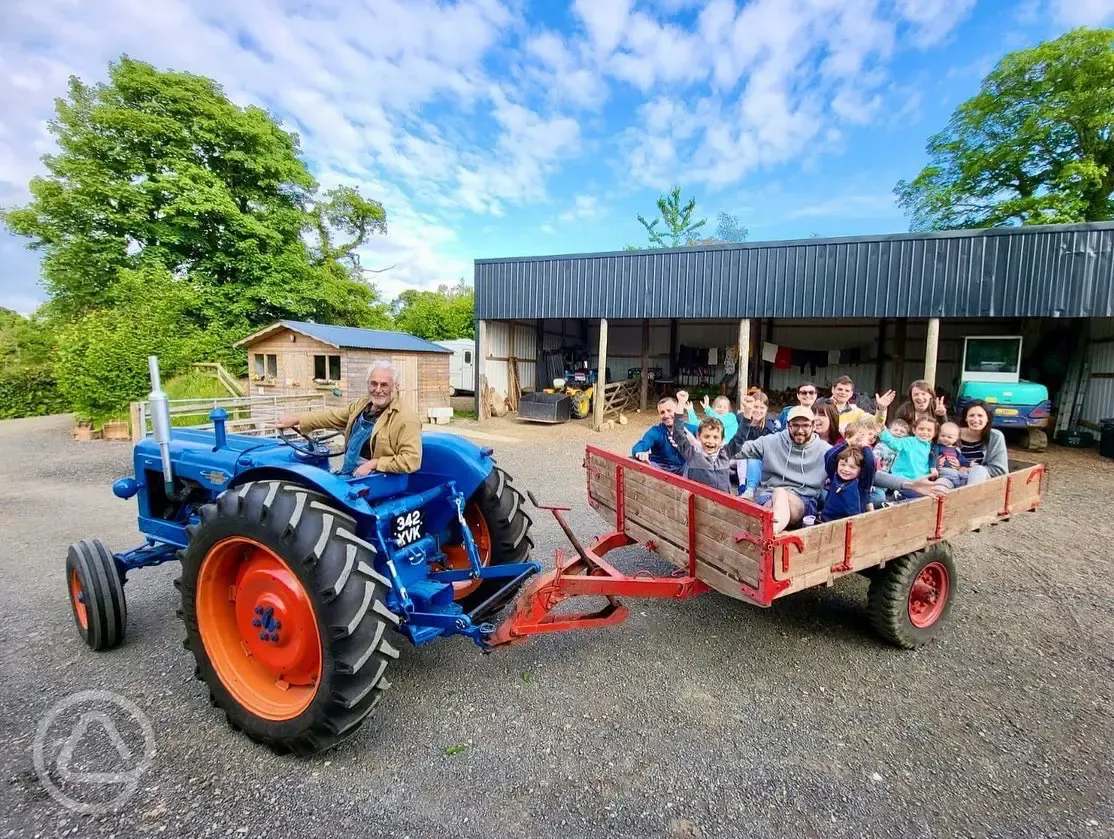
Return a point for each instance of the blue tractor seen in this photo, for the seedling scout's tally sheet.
(297, 582)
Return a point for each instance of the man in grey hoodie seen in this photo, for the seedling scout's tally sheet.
(793, 472)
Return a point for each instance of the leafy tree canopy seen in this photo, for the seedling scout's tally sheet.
(160, 167)
(437, 315)
(1034, 146)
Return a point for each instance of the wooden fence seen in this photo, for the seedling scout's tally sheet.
(216, 370)
(251, 415)
(620, 397)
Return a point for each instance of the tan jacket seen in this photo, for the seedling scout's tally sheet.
(396, 440)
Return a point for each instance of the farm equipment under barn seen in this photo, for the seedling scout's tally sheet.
(297, 583)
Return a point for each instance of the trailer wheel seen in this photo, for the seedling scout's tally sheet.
(285, 615)
(910, 598)
(96, 594)
(500, 526)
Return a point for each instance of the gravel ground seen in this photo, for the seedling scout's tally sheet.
(703, 719)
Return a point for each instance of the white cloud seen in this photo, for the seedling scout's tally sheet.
(352, 79)
(548, 228)
(584, 208)
(933, 20)
(1082, 12)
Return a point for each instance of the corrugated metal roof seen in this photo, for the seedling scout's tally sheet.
(351, 337)
(1040, 271)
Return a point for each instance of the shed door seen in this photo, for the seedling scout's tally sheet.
(407, 366)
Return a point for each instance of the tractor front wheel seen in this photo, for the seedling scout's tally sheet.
(96, 594)
(286, 616)
(910, 598)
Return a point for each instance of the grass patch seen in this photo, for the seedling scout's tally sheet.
(464, 413)
(195, 385)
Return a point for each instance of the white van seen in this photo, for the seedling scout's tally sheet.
(462, 364)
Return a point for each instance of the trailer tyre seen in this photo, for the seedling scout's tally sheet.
(96, 594)
(286, 616)
(500, 525)
(911, 597)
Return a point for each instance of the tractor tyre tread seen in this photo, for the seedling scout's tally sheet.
(509, 526)
(106, 607)
(352, 618)
(888, 596)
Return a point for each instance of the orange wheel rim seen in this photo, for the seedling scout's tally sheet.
(77, 596)
(456, 556)
(259, 628)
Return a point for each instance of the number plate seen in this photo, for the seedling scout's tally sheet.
(1005, 412)
(408, 528)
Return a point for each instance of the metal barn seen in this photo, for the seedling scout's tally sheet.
(885, 310)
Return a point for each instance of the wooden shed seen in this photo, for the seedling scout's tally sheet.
(295, 357)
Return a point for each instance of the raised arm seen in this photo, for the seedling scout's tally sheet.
(681, 438)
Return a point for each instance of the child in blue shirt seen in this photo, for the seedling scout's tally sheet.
(914, 454)
(850, 467)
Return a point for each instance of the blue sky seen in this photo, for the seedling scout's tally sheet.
(504, 127)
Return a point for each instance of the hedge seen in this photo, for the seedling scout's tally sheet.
(29, 392)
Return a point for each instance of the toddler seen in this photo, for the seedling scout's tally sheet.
(850, 469)
(947, 459)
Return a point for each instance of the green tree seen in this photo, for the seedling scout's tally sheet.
(678, 227)
(161, 167)
(1034, 146)
(728, 229)
(102, 356)
(437, 315)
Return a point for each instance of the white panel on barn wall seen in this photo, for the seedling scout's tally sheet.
(525, 344)
(498, 339)
(1099, 402)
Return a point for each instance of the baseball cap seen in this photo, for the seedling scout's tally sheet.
(799, 412)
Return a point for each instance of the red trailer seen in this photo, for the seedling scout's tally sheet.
(726, 543)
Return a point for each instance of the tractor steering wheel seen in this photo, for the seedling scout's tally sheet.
(312, 447)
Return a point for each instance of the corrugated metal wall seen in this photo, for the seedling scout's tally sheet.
(1099, 402)
(504, 341)
(1049, 271)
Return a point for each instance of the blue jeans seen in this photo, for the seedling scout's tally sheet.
(750, 474)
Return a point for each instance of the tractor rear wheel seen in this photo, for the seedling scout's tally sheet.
(910, 598)
(96, 594)
(286, 616)
(500, 526)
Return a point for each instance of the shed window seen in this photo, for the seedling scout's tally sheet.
(467, 356)
(326, 367)
(266, 365)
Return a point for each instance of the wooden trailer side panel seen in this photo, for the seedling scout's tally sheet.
(657, 513)
(817, 555)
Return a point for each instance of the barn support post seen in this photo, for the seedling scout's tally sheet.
(931, 348)
(880, 362)
(601, 379)
(901, 340)
(644, 389)
(539, 355)
(481, 372)
(744, 361)
(673, 349)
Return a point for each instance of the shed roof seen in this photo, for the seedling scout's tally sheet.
(350, 337)
(1040, 271)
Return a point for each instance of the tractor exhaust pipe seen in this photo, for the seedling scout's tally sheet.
(160, 419)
